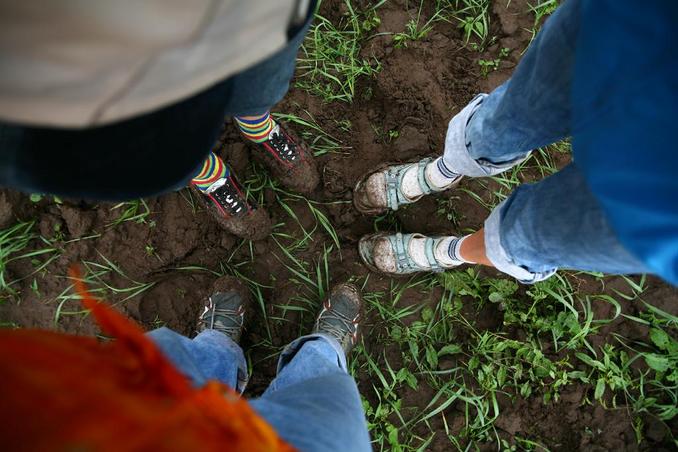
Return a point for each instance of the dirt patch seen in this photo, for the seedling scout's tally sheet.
(173, 255)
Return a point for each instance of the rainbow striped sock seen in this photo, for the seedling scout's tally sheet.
(212, 170)
(256, 128)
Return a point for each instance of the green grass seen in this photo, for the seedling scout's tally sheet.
(541, 10)
(105, 280)
(471, 16)
(488, 192)
(136, 211)
(436, 345)
(331, 62)
(14, 242)
(414, 29)
(317, 138)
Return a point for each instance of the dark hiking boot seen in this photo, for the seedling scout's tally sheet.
(288, 159)
(341, 315)
(224, 310)
(234, 212)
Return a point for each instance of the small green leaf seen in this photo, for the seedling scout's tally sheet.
(396, 333)
(600, 389)
(660, 338)
(414, 349)
(392, 435)
(590, 361)
(496, 297)
(657, 362)
(501, 376)
(427, 314)
(411, 381)
(450, 349)
(431, 357)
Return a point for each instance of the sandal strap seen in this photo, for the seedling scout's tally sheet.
(394, 179)
(394, 176)
(421, 176)
(400, 244)
(429, 247)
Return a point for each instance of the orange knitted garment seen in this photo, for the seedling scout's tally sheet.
(64, 392)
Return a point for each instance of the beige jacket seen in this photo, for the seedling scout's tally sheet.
(77, 63)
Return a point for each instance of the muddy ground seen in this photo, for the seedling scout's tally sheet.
(181, 249)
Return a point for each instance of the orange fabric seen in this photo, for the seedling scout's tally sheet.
(63, 392)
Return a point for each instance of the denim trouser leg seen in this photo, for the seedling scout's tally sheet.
(313, 403)
(256, 89)
(530, 110)
(556, 223)
(323, 351)
(323, 406)
(209, 356)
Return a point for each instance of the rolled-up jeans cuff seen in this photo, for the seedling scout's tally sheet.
(457, 157)
(496, 253)
(292, 349)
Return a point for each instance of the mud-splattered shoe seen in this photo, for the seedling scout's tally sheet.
(394, 255)
(288, 159)
(224, 310)
(341, 315)
(382, 189)
(234, 212)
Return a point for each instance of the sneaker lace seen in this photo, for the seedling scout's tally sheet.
(226, 195)
(283, 146)
(343, 330)
(209, 320)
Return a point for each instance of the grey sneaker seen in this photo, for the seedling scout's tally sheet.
(341, 315)
(224, 310)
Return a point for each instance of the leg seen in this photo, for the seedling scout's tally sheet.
(256, 89)
(323, 352)
(494, 132)
(277, 147)
(556, 223)
(213, 169)
(214, 354)
(530, 110)
(228, 202)
(313, 403)
(210, 356)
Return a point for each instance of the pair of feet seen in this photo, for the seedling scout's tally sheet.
(226, 308)
(290, 162)
(387, 188)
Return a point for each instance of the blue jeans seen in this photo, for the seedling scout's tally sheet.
(313, 403)
(147, 155)
(556, 223)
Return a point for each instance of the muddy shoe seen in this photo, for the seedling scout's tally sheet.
(404, 254)
(341, 315)
(390, 186)
(224, 310)
(234, 212)
(288, 159)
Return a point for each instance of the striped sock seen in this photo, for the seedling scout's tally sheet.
(453, 245)
(212, 170)
(256, 128)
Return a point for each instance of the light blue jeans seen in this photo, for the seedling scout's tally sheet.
(555, 223)
(313, 403)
